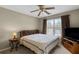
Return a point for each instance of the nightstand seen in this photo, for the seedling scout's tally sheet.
(14, 44)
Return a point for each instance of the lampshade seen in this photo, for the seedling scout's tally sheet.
(14, 33)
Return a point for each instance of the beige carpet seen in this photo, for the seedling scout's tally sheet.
(61, 50)
(23, 50)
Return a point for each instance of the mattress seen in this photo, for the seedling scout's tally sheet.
(41, 41)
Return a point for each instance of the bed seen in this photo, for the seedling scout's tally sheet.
(39, 43)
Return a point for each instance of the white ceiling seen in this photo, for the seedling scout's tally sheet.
(25, 9)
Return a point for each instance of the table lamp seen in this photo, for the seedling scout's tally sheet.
(14, 35)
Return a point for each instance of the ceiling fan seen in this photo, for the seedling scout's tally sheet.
(43, 9)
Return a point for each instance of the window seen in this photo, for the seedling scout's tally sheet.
(54, 26)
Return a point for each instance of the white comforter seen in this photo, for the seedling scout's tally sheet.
(40, 40)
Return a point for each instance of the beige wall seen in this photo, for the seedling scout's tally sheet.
(13, 22)
(74, 17)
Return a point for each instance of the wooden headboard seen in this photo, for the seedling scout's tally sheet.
(27, 32)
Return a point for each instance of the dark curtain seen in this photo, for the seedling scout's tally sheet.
(65, 23)
(44, 26)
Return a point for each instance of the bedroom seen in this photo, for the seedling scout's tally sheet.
(16, 18)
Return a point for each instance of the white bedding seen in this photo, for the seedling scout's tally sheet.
(41, 41)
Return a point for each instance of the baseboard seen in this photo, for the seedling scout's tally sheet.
(4, 49)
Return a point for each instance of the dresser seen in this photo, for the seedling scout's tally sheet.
(72, 46)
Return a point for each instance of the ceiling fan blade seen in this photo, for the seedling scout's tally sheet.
(35, 10)
(46, 12)
(50, 8)
(39, 13)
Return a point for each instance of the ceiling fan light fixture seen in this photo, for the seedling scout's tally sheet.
(43, 9)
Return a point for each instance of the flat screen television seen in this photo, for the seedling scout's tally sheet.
(72, 33)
